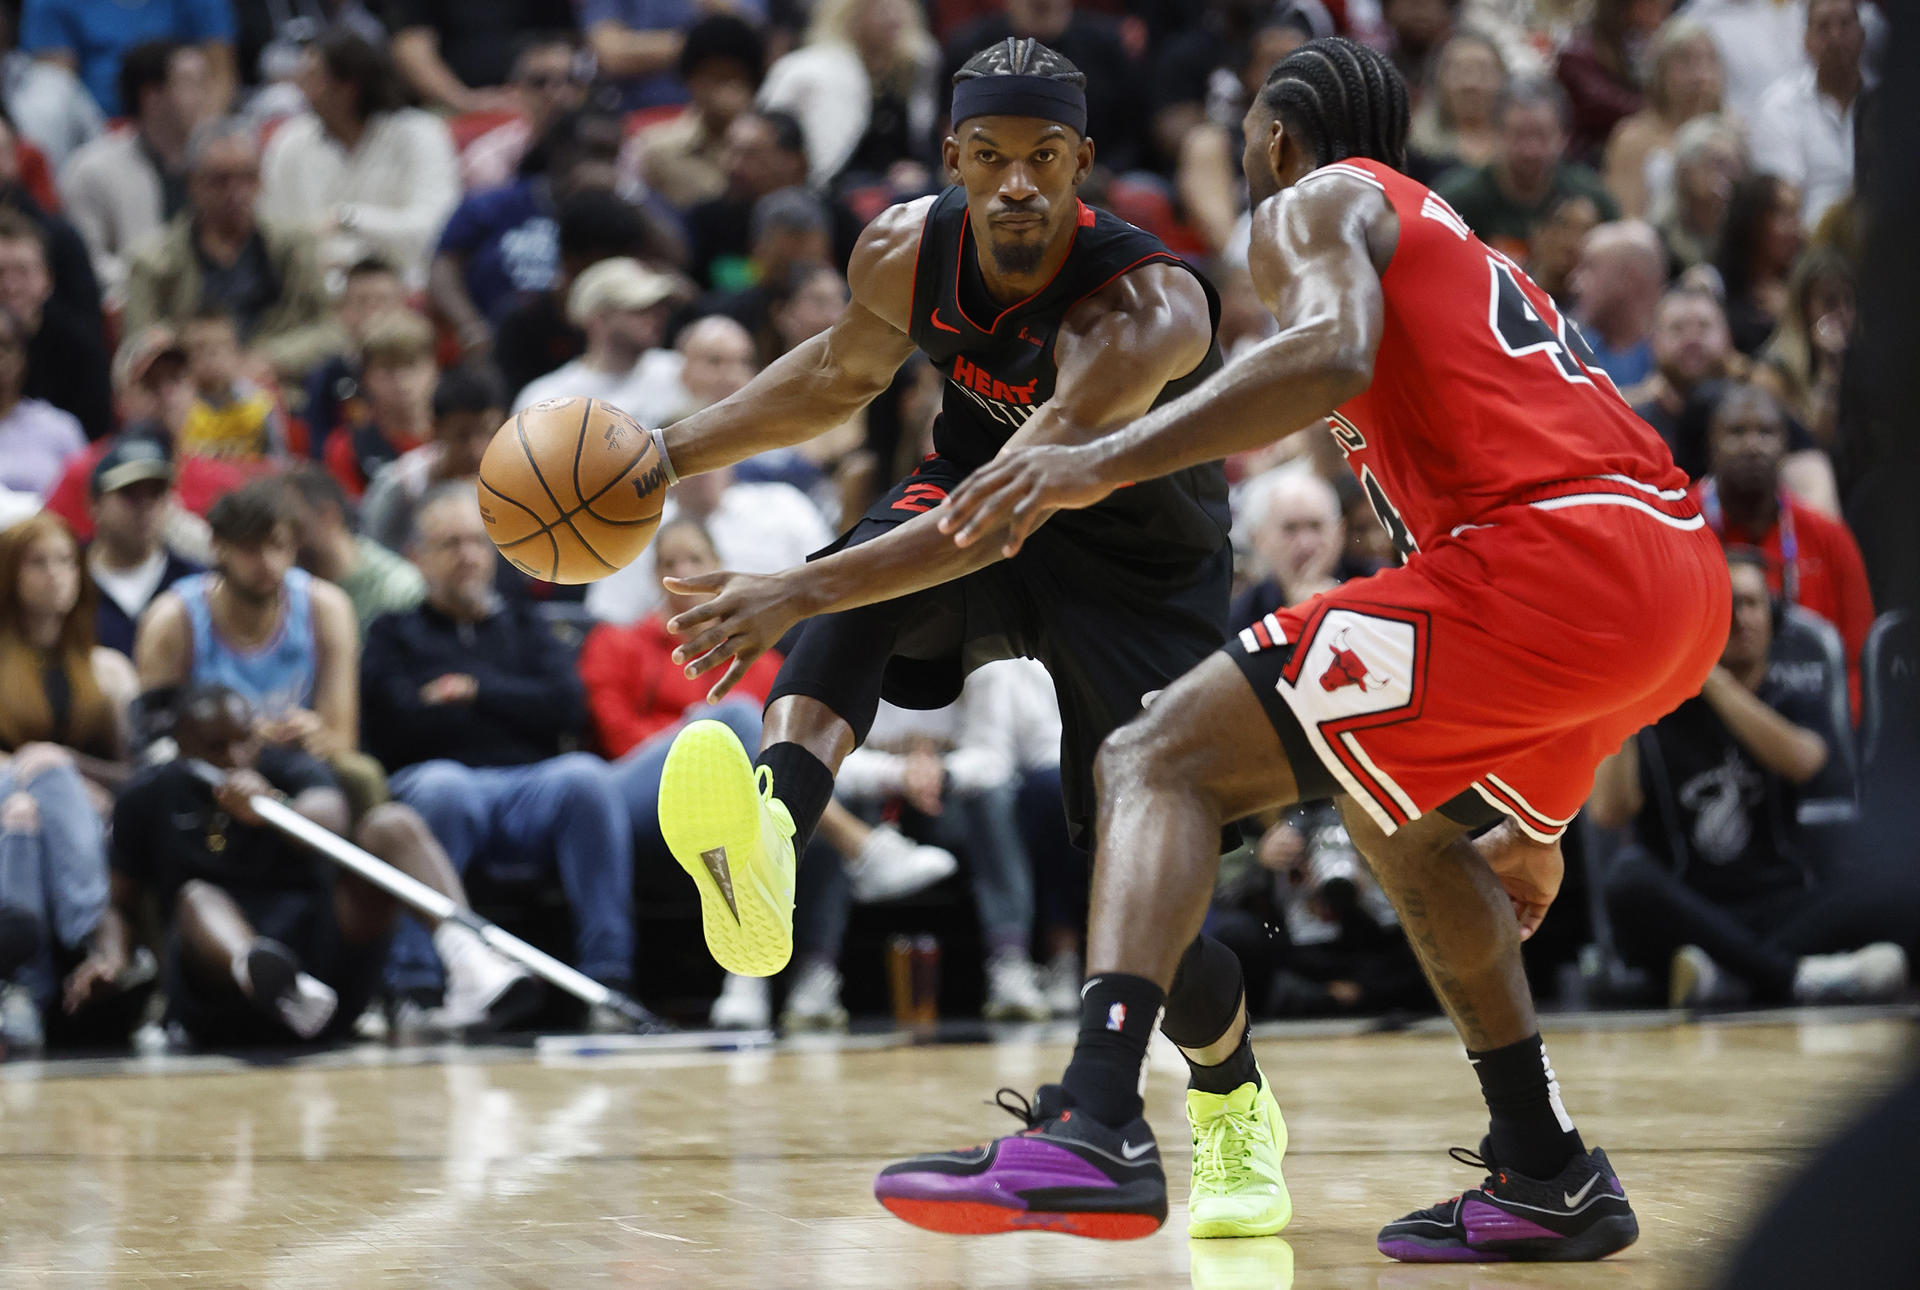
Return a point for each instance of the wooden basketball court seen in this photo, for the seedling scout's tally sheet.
(502, 1167)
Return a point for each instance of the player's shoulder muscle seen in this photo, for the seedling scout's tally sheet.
(1330, 213)
(880, 272)
(1156, 314)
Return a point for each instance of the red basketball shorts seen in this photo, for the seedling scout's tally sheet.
(1506, 660)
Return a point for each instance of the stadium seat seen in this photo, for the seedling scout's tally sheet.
(1809, 659)
(1890, 693)
(469, 126)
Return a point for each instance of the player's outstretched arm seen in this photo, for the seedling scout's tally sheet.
(1116, 351)
(1317, 255)
(821, 383)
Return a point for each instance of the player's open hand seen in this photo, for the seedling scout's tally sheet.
(1018, 490)
(746, 617)
(1530, 871)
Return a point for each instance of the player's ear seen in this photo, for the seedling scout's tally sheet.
(1279, 143)
(950, 158)
(1083, 162)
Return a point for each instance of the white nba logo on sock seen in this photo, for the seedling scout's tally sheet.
(1117, 1016)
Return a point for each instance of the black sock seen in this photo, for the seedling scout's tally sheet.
(1238, 1069)
(804, 786)
(1532, 1133)
(1118, 1014)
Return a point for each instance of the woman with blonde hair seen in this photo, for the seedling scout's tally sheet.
(1687, 81)
(1802, 360)
(1454, 124)
(861, 86)
(63, 733)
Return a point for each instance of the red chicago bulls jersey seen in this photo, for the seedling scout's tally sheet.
(1482, 394)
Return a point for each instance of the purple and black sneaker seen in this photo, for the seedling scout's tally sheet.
(1577, 1217)
(1065, 1172)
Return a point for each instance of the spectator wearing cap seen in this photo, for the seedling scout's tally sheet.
(375, 579)
(154, 396)
(397, 372)
(621, 305)
(37, 440)
(549, 80)
(124, 186)
(467, 409)
(66, 360)
(129, 560)
(460, 54)
(683, 160)
(504, 243)
(217, 252)
(93, 36)
(636, 43)
(361, 171)
(1505, 200)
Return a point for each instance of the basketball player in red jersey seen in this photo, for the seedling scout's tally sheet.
(1559, 592)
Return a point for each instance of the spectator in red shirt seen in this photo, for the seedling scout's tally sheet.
(1812, 559)
(634, 690)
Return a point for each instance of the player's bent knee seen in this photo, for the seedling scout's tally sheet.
(20, 814)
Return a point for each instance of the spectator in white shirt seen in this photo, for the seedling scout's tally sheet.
(1804, 129)
(124, 186)
(621, 305)
(1759, 43)
(366, 173)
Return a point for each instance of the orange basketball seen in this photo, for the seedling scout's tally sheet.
(571, 489)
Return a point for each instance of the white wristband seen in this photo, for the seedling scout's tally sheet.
(660, 447)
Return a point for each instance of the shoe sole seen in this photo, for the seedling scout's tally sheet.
(979, 1218)
(710, 801)
(1607, 1236)
(1267, 1225)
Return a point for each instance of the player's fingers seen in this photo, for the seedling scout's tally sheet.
(699, 582)
(988, 514)
(727, 682)
(699, 646)
(692, 620)
(711, 659)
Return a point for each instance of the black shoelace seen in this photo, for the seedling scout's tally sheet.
(1015, 1103)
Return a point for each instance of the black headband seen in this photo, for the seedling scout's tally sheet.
(1038, 96)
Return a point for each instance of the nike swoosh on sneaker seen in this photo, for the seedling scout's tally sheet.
(716, 862)
(1131, 1152)
(1573, 1198)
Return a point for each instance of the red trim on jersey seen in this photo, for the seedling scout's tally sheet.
(1086, 213)
(960, 260)
(1261, 634)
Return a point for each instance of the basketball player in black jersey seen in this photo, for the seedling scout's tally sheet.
(1052, 324)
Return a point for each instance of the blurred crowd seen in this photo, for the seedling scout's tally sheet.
(271, 274)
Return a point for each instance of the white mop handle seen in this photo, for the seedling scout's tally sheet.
(410, 891)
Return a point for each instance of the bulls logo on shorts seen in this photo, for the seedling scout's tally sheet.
(1353, 670)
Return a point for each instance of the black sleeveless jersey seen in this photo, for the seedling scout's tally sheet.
(999, 370)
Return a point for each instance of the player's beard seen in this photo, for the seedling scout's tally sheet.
(1018, 259)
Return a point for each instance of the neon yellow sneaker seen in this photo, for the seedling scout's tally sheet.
(1238, 1141)
(728, 831)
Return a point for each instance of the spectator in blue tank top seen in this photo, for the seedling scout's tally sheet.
(283, 640)
(469, 701)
